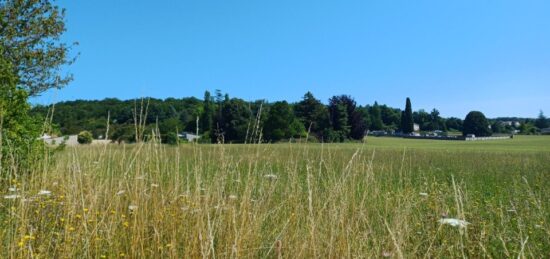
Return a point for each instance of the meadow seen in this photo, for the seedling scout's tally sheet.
(382, 198)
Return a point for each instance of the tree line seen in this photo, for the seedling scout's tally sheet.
(220, 118)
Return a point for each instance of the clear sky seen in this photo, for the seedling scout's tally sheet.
(456, 56)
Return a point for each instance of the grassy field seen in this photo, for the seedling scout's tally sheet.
(384, 198)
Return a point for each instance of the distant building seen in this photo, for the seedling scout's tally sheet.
(545, 131)
(416, 127)
(71, 140)
(189, 136)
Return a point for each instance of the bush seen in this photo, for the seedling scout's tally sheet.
(85, 137)
(170, 138)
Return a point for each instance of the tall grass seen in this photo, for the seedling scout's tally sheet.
(283, 200)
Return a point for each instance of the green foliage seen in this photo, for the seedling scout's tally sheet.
(170, 138)
(85, 137)
(407, 123)
(453, 123)
(233, 121)
(498, 127)
(528, 128)
(207, 114)
(19, 131)
(376, 117)
(339, 121)
(542, 121)
(436, 122)
(313, 115)
(391, 118)
(123, 133)
(476, 123)
(281, 123)
(73, 117)
(346, 119)
(31, 33)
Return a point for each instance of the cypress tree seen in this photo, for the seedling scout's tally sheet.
(407, 123)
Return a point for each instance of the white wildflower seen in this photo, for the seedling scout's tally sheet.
(454, 222)
(44, 192)
(132, 208)
(11, 197)
(12, 189)
(423, 194)
(270, 177)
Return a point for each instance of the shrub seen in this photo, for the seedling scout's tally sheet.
(85, 137)
(170, 138)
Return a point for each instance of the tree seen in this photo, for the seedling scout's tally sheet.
(346, 119)
(528, 128)
(232, 124)
(30, 33)
(542, 121)
(207, 114)
(391, 117)
(422, 118)
(338, 120)
(170, 125)
(498, 127)
(453, 123)
(376, 117)
(313, 115)
(281, 123)
(355, 121)
(436, 122)
(407, 123)
(85, 137)
(18, 130)
(476, 123)
(123, 133)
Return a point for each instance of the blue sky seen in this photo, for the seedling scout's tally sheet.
(456, 56)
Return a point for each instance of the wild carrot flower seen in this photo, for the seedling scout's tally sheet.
(44, 192)
(271, 177)
(454, 222)
(12, 196)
